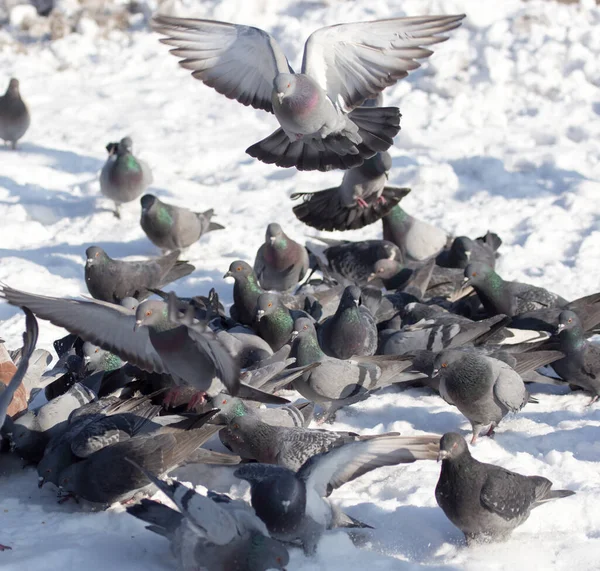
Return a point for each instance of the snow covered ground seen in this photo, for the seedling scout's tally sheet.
(500, 131)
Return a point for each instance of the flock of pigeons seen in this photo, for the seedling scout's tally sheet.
(142, 384)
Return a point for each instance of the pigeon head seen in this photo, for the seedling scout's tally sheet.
(461, 249)
(95, 255)
(567, 320)
(238, 270)
(229, 408)
(13, 87)
(377, 165)
(385, 270)
(112, 148)
(266, 304)
(91, 351)
(279, 501)
(150, 312)
(130, 303)
(68, 479)
(444, 360)
(452, 446)
(478, 274)
(350, 297)
(266, 553)
(274, 233)
(147, 201)
(389, 250)
(303, 327)
(125, 146)
(284, 85)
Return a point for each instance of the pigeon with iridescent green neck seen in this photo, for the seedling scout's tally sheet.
(97, 359)
(245, 292)
(123, 177)
(14, 115)
(581, 364)
(509, 298)
(416, 239)
(274, 321)
(280, 262)
(172, 227)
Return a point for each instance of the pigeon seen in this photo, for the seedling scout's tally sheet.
(97, 359)
(509, 298)
(280, 262)
(172, 227)
(245, 292)
(484, 501)
(338, 382)
(416, 239)
(353, 263)
(484, 389)
(351, 330)
(210, 532)
(123, 177)
(113, 280)
(362, 198)
(464, 251)
(106, 476)
(274, 321)
(293, 505)
(322, 125)
(29, 341)
(14, 115)
(581, 363)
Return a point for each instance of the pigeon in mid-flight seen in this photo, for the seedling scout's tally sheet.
(14, 115)
(322, 123)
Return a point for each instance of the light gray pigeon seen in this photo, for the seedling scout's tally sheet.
(123, 177)
(112, 280)
(484, 389)
(362, 198)
(210, 532)
(97, 359)
(351, 331)
(417, 240)
(322, 125)
(484, 501)
(14, 115)
(581, 364)
(293, 505)
(172, 227)
(336, 382)
(280, 262)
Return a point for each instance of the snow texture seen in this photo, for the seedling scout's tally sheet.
(500, 131)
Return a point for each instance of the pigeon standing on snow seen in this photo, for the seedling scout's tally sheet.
(416, 239)
(581, 364)
(172, 227)
(363, 198)
(245, 292)
(484, 389)
(280, 262)
(123, 177)
(113, 280)
(293, 505)
(484, 501)
(14, 115)
(322, 125)
(274, 321)
(210, 532)
(351, 330)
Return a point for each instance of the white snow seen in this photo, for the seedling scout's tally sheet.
(500, 131)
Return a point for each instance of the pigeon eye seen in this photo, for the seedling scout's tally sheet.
(570, 320)
(235, 426)
(238, 269)
(454, 445)
(288, 85)
(96, 351)
(444, 365)
(278, 559)
(224, 402)
(474, 274)
(269, 305)
(305, 327)
(96, 254)
(148, 313)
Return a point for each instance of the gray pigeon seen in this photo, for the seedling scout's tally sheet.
(280, 262)
(14, 115)
(509, 298)
(416, 239)
(363, 198)
(293, 505)
(322, 125)
(106, 476)
(484, 389)
(581, 364)
(465, 251)
(484, 501)
(123, 177)
(172, 227)
(210, 532)
(351, 330)
(245, 292)
(97, 359)
(274, 321)
(112, 280)
(338, 382)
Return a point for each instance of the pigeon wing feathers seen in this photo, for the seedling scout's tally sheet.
(509, 388)
(104, 324)
(507, 494)
(350, 461)
(239, 62)
(353, 62)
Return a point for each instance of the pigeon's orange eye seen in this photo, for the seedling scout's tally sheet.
(148, 313)
(96, 351)
(474, 274)
(570, 320)
(454, 445)
(380, 270)
(288, 84)
(224, 402)
(444, 365)
(305, 327)
(235, 426)
(96, 254)
(278, 559)
(269, 305)
(238, 269)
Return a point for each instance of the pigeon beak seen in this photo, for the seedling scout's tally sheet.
(466, 282)
(372, 277)
(356, 302)
(468, 254)
(294, 335)
(137, 325)
(443, 455)
(559, 328)
(89, 260)
(41, 481)
(435, 373)
(260, 314)
(272, 240)
(87, 358)
(280, 96)
(228, 275)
